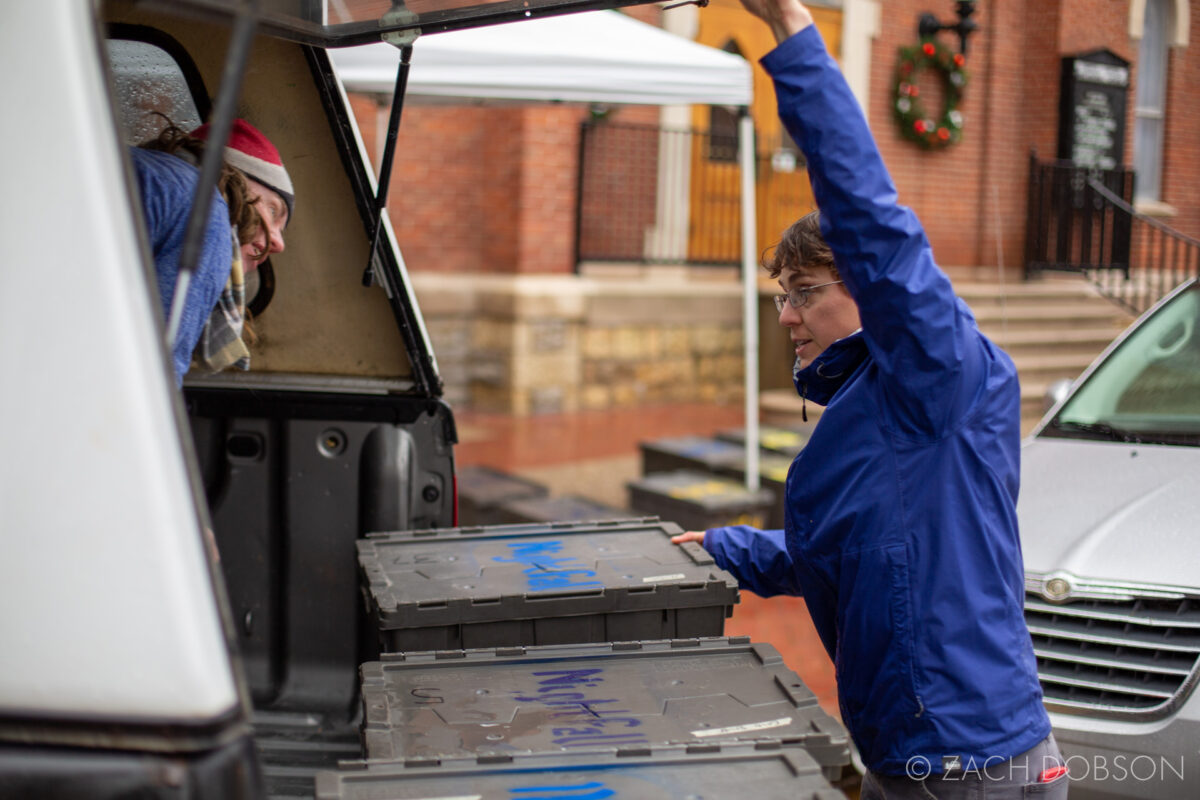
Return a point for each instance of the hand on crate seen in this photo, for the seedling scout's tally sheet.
(689, 536)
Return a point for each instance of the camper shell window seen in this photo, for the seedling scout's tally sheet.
(155, 81)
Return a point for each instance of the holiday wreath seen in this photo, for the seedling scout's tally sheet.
(915, 123)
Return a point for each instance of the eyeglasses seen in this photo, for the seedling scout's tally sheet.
(798, 297)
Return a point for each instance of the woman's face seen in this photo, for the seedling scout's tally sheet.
(830, 313)
(269, 238)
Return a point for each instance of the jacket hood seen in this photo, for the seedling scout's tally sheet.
(1111, 511)
(820, 380)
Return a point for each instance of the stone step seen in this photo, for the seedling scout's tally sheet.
(1034, 338)
(783, 407)
(1052, 327)
(1048, 316)
(1029, 293)
(1031, 341)
(1051, 365)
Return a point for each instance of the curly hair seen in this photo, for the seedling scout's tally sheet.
(243, 214)
(801, 245)
(231, 183)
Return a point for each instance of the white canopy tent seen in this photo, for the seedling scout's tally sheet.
(592, 57)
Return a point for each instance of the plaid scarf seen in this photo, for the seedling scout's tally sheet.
(221, 344)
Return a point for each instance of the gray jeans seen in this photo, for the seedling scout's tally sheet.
(1009, 780)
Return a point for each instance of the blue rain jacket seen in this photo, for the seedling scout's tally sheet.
(900, 527)
(167, 185)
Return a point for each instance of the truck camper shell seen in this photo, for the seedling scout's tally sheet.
(183, 615)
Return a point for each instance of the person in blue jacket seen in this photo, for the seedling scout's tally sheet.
(249, 209)
(900, 522)
(167, 186)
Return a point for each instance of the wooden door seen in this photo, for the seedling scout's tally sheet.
(783, 194)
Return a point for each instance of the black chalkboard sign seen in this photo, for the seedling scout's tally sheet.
(1091, 114)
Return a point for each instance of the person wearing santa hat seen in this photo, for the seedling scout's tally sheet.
(270, 187)
(251, 206)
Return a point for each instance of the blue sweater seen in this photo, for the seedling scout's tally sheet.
(900, 522)
(167, 185)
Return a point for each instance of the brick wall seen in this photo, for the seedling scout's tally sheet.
(1181, 172)
(620, 168)
(972, 198)
(487, 188)
(492, 188)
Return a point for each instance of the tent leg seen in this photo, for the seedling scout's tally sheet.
(749, 292)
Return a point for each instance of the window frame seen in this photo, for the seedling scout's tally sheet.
(1150, 119)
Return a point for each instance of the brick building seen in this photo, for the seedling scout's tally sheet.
(485, 198)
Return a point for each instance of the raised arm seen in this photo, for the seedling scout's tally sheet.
(784, 17)
(924, 341)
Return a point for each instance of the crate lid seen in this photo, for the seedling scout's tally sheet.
(703, 489)
(667, 772)
(486, 487)
(614, 695)
(772, 467)
(563, 508)
(700, 448)
(456, 575)
(784, 440)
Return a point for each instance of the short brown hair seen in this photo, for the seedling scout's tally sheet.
(802, 245)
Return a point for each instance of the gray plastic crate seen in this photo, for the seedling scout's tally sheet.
(570, 697)
(697, 501)
(697, 453)
(786, 441)
(662, 773)
(772, 476)
(481, 491)
(555, 583)
(563, 508)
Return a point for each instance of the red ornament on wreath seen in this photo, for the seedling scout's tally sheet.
(929, 130)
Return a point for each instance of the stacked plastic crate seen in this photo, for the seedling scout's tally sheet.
(709, 717)
(490, 497)
(699, 482)
(575, 659)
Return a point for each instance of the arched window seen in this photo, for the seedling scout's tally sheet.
(723, 124)
(1151, 99)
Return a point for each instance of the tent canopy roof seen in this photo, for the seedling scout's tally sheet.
(592, 57)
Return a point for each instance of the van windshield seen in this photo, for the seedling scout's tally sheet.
(1148, 389)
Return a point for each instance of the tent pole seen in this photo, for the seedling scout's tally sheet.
(749, 292)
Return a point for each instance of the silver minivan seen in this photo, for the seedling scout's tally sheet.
(1110, 526)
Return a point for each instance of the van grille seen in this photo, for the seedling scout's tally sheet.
(1119, 658)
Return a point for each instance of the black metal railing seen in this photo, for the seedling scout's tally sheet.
(1069, 226)
(649, 194)
(618, 189)
(1081, 219)
(1161, 257)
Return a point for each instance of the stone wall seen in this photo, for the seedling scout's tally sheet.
(548, 344)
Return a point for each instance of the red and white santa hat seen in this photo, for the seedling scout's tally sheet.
(252, 152)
